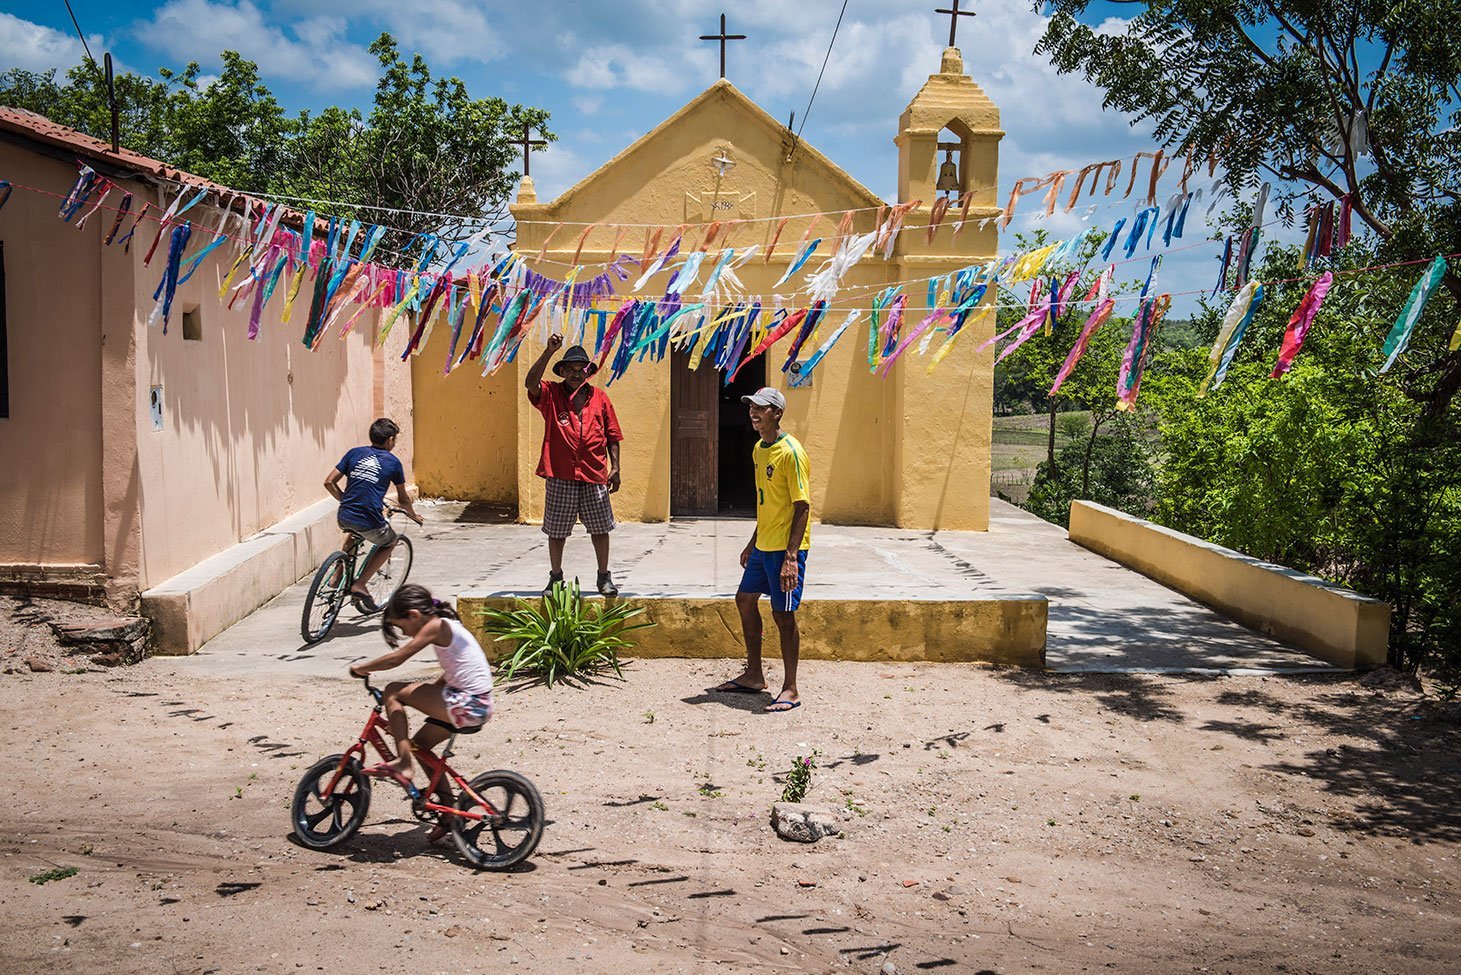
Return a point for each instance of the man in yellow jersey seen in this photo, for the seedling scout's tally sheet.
(775, 560)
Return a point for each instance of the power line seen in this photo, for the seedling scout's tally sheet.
(84, 46)
(818, 85)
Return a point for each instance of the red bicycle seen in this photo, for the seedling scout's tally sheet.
(496, 821)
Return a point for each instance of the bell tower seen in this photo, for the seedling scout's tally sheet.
(948, 139)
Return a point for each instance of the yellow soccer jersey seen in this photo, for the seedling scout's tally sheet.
(783, 477)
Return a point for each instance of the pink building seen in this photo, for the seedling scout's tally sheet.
(182, 471)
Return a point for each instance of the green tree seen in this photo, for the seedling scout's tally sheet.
(1329, 469)
(1357, 97)
(427, 158)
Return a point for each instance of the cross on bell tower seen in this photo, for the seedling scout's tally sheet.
(527, 143)
(722, 37)
(954, 16)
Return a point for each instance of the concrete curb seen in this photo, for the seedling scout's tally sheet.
(196, 605)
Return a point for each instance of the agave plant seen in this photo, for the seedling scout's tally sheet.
(560, 636)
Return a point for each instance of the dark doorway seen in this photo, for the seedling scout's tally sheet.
(736, 473)
(693, 434)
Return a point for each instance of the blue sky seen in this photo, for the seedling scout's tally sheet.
(608, 72)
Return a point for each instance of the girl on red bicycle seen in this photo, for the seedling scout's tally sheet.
(460, 698)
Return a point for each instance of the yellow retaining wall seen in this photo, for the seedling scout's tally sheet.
(1009, 630)
(1332, 623)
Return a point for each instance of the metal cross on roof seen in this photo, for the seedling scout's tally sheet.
(527, 143)
(722, 37)
(954, 16)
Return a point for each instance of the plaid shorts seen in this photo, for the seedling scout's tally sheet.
(570, 501)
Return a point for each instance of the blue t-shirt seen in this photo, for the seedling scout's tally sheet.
(370, 471)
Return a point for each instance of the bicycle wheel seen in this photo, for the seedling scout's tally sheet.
(326, 596)
(321, 821)
(507, 838)
(392, 575)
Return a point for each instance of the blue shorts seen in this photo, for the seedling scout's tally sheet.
(763, 575)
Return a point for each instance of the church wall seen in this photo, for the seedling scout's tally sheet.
(466, 427)
(909, 448)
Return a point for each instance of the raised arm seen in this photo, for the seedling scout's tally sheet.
(534, 381)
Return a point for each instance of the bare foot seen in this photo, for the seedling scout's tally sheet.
(785, 701)
(744, 684)
(400, 770)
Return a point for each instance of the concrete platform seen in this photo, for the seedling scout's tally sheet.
(1101, 616)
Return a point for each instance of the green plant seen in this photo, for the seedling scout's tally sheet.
(710, 792)
(560, 636)
(661, 807)
(60, 873)
(799, 778)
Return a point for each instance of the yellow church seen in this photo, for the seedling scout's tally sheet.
(909, 448)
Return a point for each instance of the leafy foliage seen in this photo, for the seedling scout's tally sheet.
(1331, 469)
(1357, 97)
(425, 145)
(1114, 469)
(562, 637)
(799, 778)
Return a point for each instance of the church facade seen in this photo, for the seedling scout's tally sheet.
(909, 448)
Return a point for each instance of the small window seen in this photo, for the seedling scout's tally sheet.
(4, 345)
(192, 325)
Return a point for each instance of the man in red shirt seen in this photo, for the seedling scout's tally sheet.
(580, 460)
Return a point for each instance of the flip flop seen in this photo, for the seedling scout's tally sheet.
(780, 706)
(438, 833)
(383, 771)
(736, 687)
(364, 602)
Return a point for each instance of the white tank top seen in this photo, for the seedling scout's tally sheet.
(464, 662)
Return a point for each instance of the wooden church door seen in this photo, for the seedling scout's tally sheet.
(694, 437)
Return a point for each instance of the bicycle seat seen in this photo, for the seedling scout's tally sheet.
(453, 728)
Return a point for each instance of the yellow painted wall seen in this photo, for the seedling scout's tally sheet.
(908, 448)
(466, 439)
(1330, 622)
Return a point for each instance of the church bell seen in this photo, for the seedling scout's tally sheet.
(948, 174)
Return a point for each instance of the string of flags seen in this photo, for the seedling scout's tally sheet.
(491, 309)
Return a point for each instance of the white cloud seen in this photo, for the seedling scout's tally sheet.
(314, 50)
(588, 104)
(444, 31)
(34, 47)
(556, 168)
(605, 66)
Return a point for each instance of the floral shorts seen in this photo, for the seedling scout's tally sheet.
(467, 710)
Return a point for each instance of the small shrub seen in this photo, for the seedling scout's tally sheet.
(60, 873)
(799, 779)
(560, 637)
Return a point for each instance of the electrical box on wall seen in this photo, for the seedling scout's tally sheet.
(156, 407)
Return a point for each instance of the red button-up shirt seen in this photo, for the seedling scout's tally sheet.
(576, 443)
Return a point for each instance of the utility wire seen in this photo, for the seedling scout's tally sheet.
(808, 109)
(84, 46)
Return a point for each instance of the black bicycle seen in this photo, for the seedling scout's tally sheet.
(330, 588)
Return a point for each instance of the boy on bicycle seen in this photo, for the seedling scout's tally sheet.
(369, 471)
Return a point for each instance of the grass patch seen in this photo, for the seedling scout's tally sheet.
(60, 873)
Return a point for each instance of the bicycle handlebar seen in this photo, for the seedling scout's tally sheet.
(365, 679)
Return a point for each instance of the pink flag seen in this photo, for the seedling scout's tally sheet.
(1299, 322)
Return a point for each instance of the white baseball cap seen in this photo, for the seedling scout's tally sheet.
(766, 396)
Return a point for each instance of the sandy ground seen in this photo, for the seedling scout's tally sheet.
(997, 821)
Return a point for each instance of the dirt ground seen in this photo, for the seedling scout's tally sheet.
(996, 821)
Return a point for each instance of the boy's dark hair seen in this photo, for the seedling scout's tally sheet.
(382, 430)
(409, 597)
